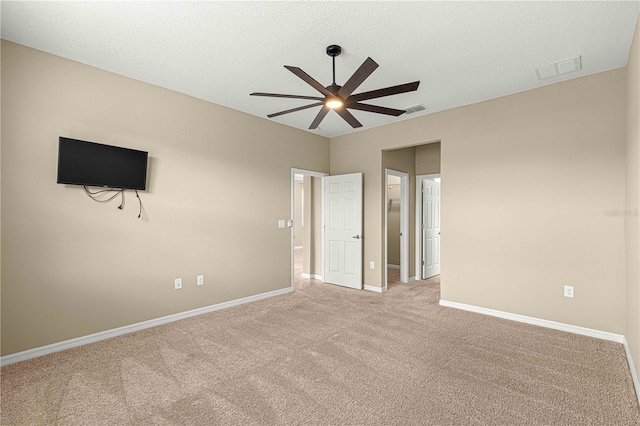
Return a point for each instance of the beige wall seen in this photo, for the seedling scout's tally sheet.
(632, 231)
(526, 183)
(72, 267)
(428, 159)
(535, 172)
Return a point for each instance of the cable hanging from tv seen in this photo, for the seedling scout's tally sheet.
(102, 196)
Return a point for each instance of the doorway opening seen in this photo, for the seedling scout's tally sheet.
(396, 226)
(306, 230)
(421, 160)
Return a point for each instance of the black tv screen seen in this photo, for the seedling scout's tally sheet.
(95, 164)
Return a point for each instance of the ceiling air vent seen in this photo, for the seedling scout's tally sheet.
(559, 68)
(415, 108)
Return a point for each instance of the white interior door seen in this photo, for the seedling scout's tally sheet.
(430, 228)
(342, 201)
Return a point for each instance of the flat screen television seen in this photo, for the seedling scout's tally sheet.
(94, 164)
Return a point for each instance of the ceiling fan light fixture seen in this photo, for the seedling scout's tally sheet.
(341, 98)
(334, 103)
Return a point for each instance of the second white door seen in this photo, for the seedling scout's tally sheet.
(430, 229)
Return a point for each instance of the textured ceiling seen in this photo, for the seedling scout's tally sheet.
(462, 52)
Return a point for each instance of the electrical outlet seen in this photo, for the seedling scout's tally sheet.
(177, 283)
(372, 265)
(568, 291)
(200, 280)
(281, 223)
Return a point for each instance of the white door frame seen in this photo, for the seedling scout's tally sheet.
(404, 224)
(419, 180)
(310, 173)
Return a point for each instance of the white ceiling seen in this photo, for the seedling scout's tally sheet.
(462, 52)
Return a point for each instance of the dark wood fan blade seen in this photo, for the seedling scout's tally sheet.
(348, 117)
(321, 115)
(295, 109)
(278, 95)
(380, 93)
(361, 74)
(377, 109)
(309, 80)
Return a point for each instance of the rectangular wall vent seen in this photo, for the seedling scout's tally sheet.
(559, 68)
(415, 108)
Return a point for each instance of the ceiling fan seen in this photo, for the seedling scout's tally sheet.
(340, 98)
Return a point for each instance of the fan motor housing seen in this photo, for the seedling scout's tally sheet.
(334, 88)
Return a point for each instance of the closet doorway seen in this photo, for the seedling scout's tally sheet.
(396, 225)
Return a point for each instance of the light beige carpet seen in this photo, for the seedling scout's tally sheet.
(324, 355)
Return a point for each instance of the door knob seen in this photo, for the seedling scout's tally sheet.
(357, 237)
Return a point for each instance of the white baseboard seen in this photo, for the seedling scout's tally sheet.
(389, 265)
(536, 321)
(412, 279)
(92, 338)
(312, 276)
(374, 288)
(632, 368)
